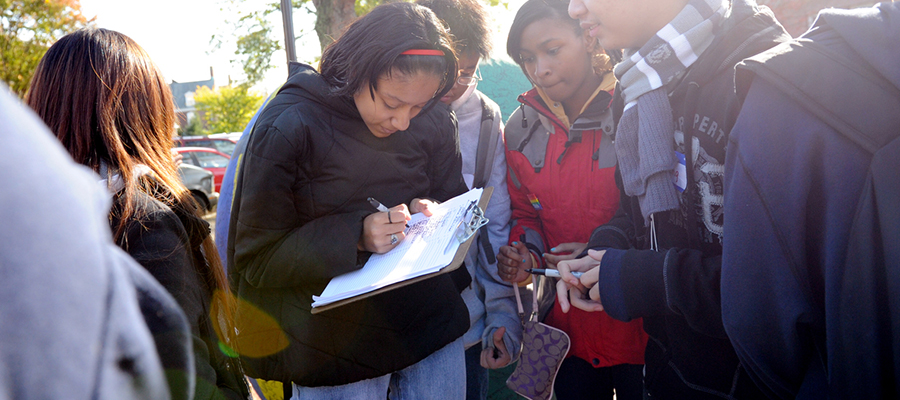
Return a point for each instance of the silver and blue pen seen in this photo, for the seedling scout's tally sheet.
(550, 272)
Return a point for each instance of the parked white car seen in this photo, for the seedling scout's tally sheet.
(200, 182)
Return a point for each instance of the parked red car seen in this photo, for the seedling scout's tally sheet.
(208, 159)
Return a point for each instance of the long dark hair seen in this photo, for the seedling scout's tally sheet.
(108, 103)
(536, 10)
(371, 46)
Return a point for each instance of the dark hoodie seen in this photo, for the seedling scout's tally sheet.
(810, 280)
(297, 215)
(676, 289)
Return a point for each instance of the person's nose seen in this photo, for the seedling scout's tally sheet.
(576, 9)
(541, 67)
(400, 120)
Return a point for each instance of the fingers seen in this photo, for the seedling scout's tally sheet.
(596, 254)
(498, 336)
(583, 301)
(385, 243)
(553, 259)
(562, 295)
(582, 264)
(496, 356)
(399, 215)
(575, 293)
(595, 293)
(511, 264)
(569, 247)
(564, 251)
(421, 206)
(486, 355)
(565, 269)
(591, 277)
(382, 231)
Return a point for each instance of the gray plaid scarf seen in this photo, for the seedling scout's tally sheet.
(645, 136)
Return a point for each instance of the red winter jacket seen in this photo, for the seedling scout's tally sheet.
(562, 186)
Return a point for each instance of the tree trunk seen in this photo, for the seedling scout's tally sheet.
(332, 16)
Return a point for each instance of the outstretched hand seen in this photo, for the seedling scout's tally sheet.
(583, 293)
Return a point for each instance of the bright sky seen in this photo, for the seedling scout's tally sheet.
(176, 34)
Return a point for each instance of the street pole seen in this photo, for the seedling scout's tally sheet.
(287, 16)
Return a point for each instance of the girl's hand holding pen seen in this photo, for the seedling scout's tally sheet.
(572, 291)
(382, 231)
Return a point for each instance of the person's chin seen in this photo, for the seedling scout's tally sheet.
(381, 132)
(449, 98)
(385, 132)
(553, 90)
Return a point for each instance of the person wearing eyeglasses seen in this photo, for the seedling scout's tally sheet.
(494, 336)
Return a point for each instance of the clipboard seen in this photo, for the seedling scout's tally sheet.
(466, 232)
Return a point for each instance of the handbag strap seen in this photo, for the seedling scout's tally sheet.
(534, 303)
(519, 302)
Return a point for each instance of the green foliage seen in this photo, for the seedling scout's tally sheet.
(194, 127)
(256, 49)
(255, 40)
(364, 6)
(27, 29)
(227, 108)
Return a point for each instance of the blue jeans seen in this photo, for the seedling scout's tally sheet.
(442, 375)
(476, 375)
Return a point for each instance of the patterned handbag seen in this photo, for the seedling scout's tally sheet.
(543, 350)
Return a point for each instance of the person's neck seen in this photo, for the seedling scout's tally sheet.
(574, 104)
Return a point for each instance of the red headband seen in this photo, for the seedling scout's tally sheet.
(423, 52)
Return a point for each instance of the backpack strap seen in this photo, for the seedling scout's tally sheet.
(487, 146)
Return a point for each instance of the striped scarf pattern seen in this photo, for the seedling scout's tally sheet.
(645, 137)
(672, 50)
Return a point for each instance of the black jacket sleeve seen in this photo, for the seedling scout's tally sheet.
(274, 246)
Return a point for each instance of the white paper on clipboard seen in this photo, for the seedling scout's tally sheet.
(430, 245)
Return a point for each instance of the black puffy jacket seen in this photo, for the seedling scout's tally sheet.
(297, 215)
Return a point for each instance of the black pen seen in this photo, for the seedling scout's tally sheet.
(380, 207)
(550, 272)
(377, 204)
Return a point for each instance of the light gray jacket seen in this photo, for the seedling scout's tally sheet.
(491, 301)
(71, 301)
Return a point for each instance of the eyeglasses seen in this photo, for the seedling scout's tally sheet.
(469, 80)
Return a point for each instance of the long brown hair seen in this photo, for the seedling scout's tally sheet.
(108, 103)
